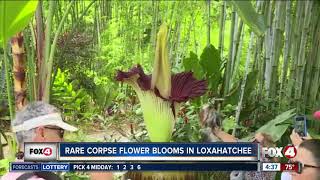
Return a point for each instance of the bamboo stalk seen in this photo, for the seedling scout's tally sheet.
(222, 28)
(276, 49)
(238, 53)
(194, 36)
(243, 84)
(235, 42)
(191, 24)
(44, 66)
(259, 65)
(296, 36)
(178, 44)
(301, 57)
(39, 51)
(228, 69)
(313, 61)
(8, 80)
(286, 56)
(208, 23)
(268, 47)
(98, 27)
(237, 50)
(19, 71)
(52, 51)
(31, 63)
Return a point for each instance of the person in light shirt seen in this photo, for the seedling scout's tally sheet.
(41, 122)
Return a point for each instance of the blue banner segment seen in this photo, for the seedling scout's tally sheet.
(217, 166)
(161, 166)
(158, 149)
(55, 167)
(20, 166)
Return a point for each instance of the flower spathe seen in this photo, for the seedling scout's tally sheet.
(159, 112)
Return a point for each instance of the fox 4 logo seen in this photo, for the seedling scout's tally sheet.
(47, 151)
(270, 152)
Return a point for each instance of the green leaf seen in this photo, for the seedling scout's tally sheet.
(210, 61)
(278, 126)
(233, 97)
(228, 124)
(255, 21)
(192, 64)
(4, 166)
(314, 134)
(14, 16)
(250, 83)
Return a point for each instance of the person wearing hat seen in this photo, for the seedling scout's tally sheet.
(39, 122)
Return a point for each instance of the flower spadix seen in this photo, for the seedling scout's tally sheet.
(161, 92)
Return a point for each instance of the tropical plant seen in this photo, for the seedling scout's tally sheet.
(161, 93)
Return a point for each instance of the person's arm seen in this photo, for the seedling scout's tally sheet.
(225, 137)
(101, 176)
(296, 139)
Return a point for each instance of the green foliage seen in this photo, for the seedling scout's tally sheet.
(210, 60)
(74, 103)
(14, 16)
(4, 163)
(248, 14)
(228, 123)
(207, 67)
(4, 166)
(278, 126)
(233, 96)
(187, 127)
(191, 63)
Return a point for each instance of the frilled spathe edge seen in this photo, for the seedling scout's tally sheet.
(183, 85)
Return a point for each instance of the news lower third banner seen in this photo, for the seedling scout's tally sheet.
(70, 167)
(182, 152)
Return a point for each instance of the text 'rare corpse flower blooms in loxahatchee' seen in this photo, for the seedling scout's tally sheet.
(161, 93)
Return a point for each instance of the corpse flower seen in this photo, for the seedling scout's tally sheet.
(161, 93)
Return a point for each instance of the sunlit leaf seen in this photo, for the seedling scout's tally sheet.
(210, 60)
(248, 14)
(191, 63)
(278, 126)
(14, 16)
